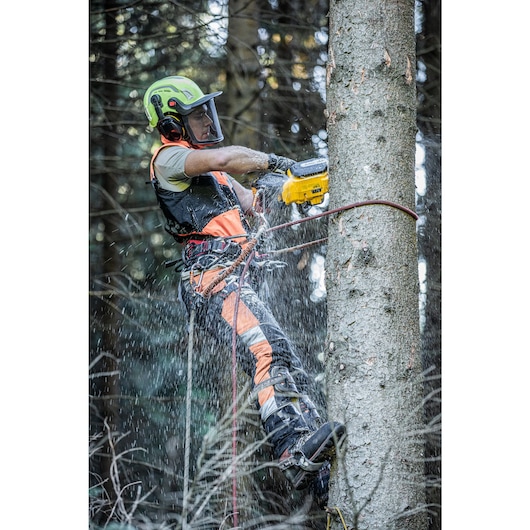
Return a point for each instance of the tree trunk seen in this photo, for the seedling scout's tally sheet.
(429, 244)
(373, 366)
(242, 74)
(103, 265)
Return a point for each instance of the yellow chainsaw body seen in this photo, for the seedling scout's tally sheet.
(307, 182)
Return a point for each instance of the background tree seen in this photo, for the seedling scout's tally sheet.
(102, 191)
(373, 364)
(429, 205)
(243, 72)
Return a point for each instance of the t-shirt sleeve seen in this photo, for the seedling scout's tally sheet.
(169, 165)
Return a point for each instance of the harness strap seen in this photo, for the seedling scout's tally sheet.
(299, 460)
(197, 248)
(264, 384)
(281, 380)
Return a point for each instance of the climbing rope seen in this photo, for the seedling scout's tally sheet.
(294, 248)
(408, 211)
(263, 229)
(335, 511)
(235, 513)
(187, 441)
(234, 392)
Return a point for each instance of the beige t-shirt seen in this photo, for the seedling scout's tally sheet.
(169, 168)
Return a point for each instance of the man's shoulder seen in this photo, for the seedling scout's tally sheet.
(170, 152)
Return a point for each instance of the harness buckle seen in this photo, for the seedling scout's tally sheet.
(219, 247)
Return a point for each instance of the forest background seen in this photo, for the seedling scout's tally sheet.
(45, 309)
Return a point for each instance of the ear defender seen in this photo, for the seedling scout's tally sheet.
(167, 126)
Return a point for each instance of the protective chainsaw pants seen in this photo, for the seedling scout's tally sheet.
(279, 383)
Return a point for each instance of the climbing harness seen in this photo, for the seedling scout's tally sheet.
(229, 270)
(196, 249)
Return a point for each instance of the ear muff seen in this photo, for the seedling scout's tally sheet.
(168, 126)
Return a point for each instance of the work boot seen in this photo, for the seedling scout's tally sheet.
(284, 427)
(302, 461)
(319, 487)
(309, 412)
(300, 442)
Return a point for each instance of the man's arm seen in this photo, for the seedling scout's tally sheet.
(233, 159)
(245, 196)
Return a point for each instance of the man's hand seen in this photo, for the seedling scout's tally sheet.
(270, 181)
(268, 190)
(279, 164)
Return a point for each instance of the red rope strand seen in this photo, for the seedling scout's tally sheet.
(408, 211)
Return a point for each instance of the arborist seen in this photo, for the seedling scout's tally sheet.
(208, 212)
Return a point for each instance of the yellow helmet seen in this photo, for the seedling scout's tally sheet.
(168, 103)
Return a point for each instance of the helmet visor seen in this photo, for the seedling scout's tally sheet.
(202, 124)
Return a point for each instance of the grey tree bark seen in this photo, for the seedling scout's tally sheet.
(373, 364)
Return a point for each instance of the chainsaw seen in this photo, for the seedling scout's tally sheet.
(305, 183)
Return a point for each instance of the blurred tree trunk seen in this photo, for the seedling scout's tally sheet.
(373, 365)
(285, 60)
(293, 40)
(429, 242)
(242, 76)
(104, 263)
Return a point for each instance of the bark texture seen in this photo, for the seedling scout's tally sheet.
(373, 364)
